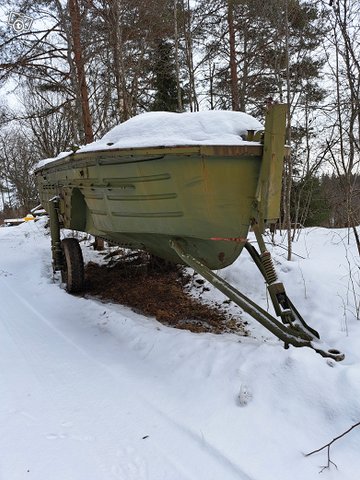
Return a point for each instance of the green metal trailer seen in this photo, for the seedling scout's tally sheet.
(186, 204)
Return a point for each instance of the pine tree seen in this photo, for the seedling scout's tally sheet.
(165, 84)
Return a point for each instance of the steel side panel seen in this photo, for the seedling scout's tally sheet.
(147, 202)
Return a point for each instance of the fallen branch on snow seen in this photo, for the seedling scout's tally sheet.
(328, 445)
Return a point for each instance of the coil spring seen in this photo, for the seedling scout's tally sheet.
(269, 269)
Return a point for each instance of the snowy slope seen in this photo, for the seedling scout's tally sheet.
(93, 391)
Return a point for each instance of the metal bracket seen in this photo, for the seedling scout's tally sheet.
(55, 225)
(295, 334)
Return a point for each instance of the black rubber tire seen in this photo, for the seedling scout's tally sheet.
(72, 273)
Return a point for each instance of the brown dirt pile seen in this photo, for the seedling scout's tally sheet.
(156, 289)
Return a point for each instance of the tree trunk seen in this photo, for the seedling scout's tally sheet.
(289, 162)
(77, 127)
(194, 104)
(177, 65)
(75, 17)
(233, 63)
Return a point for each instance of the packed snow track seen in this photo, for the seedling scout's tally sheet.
(95, 391)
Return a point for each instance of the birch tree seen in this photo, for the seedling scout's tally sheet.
(343, 145)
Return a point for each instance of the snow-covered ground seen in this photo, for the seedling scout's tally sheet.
(94, 391)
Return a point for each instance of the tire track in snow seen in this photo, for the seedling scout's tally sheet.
(176, 445)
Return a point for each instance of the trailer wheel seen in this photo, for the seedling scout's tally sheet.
(72, 273)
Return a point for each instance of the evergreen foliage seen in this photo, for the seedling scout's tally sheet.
(163, 69)
(319, 200)
(313, 205)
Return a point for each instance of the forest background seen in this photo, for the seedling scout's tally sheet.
(79, 67)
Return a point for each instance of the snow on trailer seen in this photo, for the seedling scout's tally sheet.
(169, 129)
(173, 185)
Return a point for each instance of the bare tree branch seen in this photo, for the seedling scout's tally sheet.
(328, 445)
